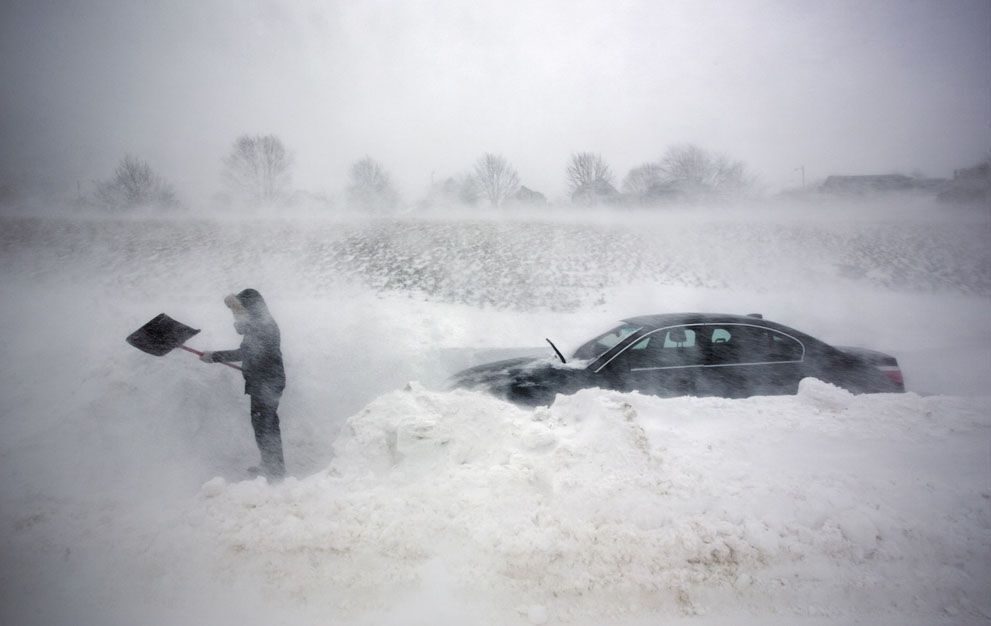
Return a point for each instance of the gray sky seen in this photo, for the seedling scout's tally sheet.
(426, 87)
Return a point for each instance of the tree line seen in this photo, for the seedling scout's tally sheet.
(257, 171)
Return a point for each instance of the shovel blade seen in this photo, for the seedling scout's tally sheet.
(161, 335)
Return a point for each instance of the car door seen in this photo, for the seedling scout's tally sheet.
(746, 360)
(663, 362)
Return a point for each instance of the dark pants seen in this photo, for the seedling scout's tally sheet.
(268, 436)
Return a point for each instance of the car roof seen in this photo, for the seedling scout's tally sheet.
(670, 319)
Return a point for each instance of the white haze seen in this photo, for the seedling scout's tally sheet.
(426, 87)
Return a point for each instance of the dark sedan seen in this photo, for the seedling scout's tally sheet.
(690, 354)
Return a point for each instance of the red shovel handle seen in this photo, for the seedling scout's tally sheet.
(199, 353)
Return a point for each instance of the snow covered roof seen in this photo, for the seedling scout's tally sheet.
(667, 319)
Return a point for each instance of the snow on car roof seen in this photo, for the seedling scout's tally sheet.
(666, 319)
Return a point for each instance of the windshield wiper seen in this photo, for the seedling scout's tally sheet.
(556, 351)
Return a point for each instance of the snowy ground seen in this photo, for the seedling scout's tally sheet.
(123, 500)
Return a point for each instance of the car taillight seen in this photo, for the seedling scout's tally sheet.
(894, 374)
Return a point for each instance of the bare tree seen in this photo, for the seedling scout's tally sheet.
(370, 187)
(467, 189)
(134, 184)
(461, 189)
(640, 180)
(590, 180)
(495, 178)
(696, 171)
(258, 169)
(587, 169)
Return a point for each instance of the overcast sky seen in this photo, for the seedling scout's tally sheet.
(869, 86)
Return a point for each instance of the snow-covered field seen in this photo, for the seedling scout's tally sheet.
(124, 499)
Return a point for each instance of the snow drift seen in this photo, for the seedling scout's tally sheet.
(606, 506)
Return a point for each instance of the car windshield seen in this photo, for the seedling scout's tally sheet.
(597, 347)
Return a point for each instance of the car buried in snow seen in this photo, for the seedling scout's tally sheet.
(689, 354)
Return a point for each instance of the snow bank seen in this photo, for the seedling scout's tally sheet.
(606, 506)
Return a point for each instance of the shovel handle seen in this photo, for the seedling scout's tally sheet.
(200, 353)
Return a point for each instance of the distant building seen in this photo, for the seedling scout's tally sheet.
(528, 196)
(971, 184)
(8, 195)
(867, 184)
(880, 183)
(664, 191)
(598, 191)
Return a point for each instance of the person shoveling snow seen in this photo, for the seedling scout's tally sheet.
(260, 356)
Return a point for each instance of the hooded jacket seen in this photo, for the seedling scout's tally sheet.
(260, 353)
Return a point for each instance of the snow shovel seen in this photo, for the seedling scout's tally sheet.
(162, 335)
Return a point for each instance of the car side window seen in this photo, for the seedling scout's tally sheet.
(781, 347)
(671, 347)
(723, 350)
(752, 344)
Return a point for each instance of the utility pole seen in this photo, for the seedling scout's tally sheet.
(802, 169)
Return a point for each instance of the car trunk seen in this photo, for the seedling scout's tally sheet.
(884, 362)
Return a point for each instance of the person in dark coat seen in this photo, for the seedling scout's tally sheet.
(260, 355)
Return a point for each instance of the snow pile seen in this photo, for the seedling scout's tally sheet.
(610, 506)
